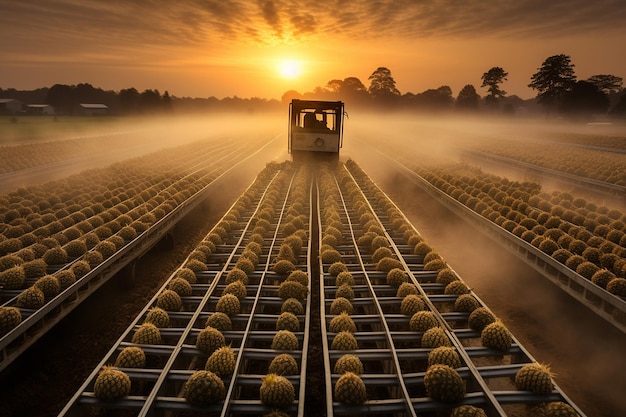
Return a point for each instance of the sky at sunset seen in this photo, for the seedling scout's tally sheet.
(202, 48)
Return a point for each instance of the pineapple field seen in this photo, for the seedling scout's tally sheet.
(185, 289)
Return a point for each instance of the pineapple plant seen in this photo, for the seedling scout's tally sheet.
(465, 303)
(340, 305)
(13, 278)
(285, 340)
(496, 336)
(342, 322)
(283, 267)
(344, 277)
(292, 289)
(221, 362)
(283, 364)
(219, 321)
(180, 286)
(344, 291)
(336, 268)
(147, 334)
(350, 389)
(158, 317)
(396, 277)
(330, 256)
(443, 383)
(65, 278)
(300, 277)
(444, 355)
(236, 274)
(131, 357)
(36, 268)
(344, 341)
(555, 409)
(31, 298)
(203, 388)
(422, 321)
(411, 304)
(169, 300)
(435, 337)
(480, 318)
(382, 252)
(276, 391)
(617, 286)
(405, 289)
(49, 285)
(55, 256)
(111, 384)
(228, 304)
(446, 276)
(10, 317)
(237, 288)
(387, 263)
(348, 363)
(209, 340)
(288, 321)
(468, 411)
(534, 377)
(292, 305)
(456, 288)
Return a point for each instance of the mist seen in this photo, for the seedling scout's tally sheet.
(583, 350)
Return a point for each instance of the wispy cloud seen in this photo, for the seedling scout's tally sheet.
(195, 22)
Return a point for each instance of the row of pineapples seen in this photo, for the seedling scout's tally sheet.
(585, 237)
(215, 353)
(349, 387)
(442, 381)
(73, 225)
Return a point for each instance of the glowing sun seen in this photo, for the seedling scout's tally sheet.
(289, 69)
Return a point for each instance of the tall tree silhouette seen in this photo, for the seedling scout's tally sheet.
(553, 80)
(468, 98)
(382, 85)
(492, 79)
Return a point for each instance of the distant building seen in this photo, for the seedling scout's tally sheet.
(10, 106)
(40, 109)
(86, 109)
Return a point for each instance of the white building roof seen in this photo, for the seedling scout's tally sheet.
(93, 106)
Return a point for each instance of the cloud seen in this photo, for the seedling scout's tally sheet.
(66, 27)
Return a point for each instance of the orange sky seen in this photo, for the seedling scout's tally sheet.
(201, 48)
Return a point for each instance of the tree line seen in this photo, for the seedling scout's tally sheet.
(559, 92)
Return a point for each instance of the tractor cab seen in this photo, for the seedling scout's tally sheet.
(315, 128)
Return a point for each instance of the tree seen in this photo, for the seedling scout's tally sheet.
(352, 90)
(553, 80)
(467, 100)
(61, 97)
(382, 84)
(129, 100)
(606, 83)
(492, 79)
(585, 99)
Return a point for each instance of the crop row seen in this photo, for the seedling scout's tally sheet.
(20, 157)
(588, 163)
(228, 333)
(587, 238)
(53, 235)
(235, 309)
(447, 317)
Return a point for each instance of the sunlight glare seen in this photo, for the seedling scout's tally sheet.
(289, 69)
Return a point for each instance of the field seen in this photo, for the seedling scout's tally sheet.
(108, 225)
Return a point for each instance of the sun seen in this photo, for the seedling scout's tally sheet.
(289, 68)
